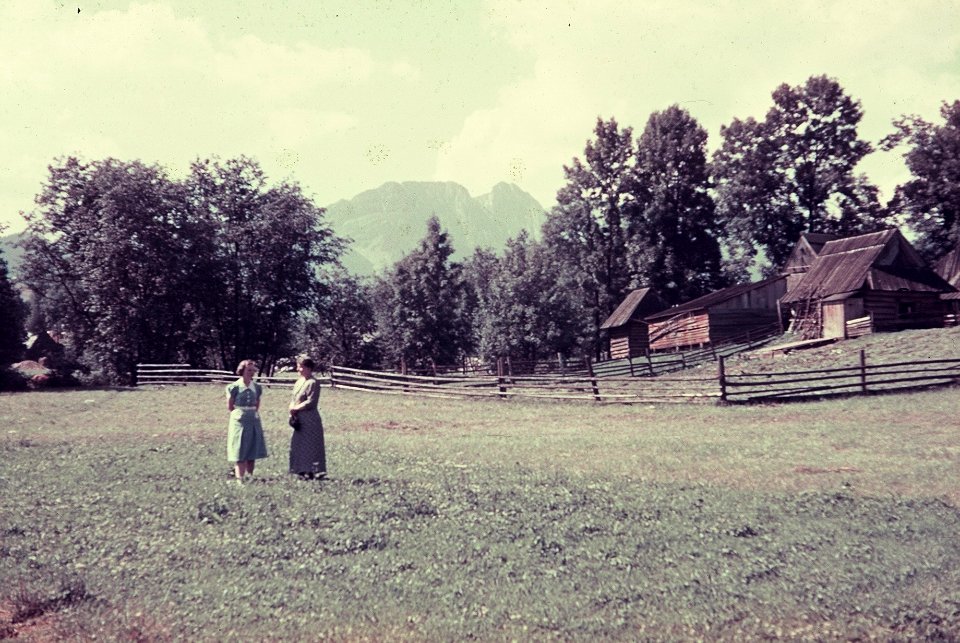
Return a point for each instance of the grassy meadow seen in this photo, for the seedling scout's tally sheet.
(489, 520)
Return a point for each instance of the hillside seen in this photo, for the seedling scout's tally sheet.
(904, 346)
(9, 252)
(387, 222)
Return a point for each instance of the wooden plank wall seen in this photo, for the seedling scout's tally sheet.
(884, 306)
(631, 340)
(727, 323)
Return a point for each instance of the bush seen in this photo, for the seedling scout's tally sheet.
(12, 380)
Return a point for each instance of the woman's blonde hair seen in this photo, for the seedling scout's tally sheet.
(244, 364)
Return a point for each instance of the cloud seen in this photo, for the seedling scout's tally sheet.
(718, 60)
(147, 82)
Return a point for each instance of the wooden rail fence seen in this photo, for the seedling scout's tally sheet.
(600, 387)
(585, 387)
(860, 379)
(179, 374)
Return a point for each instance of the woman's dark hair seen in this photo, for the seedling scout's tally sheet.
(306, 361)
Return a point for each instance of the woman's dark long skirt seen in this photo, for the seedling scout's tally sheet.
(307, 455)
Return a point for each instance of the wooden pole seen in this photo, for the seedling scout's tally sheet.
(593, 378)
(501, 385)
(649, 361)
(722, 379)
(863, 371)
(630, 361)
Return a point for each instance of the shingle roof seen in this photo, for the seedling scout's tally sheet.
(847, 265)
(629, 305)
(949, 267)
(711, 299)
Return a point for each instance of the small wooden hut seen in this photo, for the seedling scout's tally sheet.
(949, 268)
(719, 316)
(803, 255)
(629, 336)
(871, 282)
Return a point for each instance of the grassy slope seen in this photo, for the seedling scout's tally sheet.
(452, 519)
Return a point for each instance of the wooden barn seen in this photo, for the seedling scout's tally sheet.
(949, 268)
(628, 332)
(719, 316)
(803, 255)
(872, 282)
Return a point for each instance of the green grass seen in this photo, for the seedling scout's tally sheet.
(447, 520)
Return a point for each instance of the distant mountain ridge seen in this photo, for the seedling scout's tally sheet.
(387, 222)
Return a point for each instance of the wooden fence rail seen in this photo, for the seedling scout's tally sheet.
(180, 374)
(584, 387)
(861, 379)
(603, 387)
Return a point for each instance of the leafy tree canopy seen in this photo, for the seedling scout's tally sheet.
(794, 172)
(930, 201)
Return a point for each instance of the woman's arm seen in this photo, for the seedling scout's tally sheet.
(310, 395)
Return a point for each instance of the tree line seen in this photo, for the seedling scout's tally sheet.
(134, 266)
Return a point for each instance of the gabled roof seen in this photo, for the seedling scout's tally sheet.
(711, 299)
(876, 261)
(949, 267)
(807, 248)
(643, 298)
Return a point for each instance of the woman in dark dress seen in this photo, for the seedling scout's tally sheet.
(307, 457)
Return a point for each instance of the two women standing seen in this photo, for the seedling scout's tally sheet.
(245, 442)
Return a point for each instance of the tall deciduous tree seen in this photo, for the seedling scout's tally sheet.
(420, 305)
(527, 314)
(108, 255)
(794, 172)
(672, 235)
(931, 199)
(340, 328)
(262, 248)
(136, 267)
(586, 228)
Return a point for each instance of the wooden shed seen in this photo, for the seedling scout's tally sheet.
(803, 255)
(629, 336)
(871, 282)
(719, 316)
(949, 268)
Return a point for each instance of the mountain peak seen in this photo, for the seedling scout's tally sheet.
(387, 222)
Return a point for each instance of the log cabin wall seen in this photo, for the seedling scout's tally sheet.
(899, 310)
(630, 340)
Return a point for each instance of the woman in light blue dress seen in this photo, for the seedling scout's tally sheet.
(245, 443)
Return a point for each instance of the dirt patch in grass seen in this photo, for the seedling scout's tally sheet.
(816, 470)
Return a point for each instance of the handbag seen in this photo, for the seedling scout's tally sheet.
(294, 422)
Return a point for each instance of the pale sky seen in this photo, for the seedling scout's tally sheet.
(343, 96)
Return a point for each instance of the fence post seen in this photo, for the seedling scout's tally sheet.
(649, 361)
(863, 371)
(500, 383)
(722, 379)
(683, 360)
(630, 361)
(593, 377)
(333, 378)
(509, 369)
